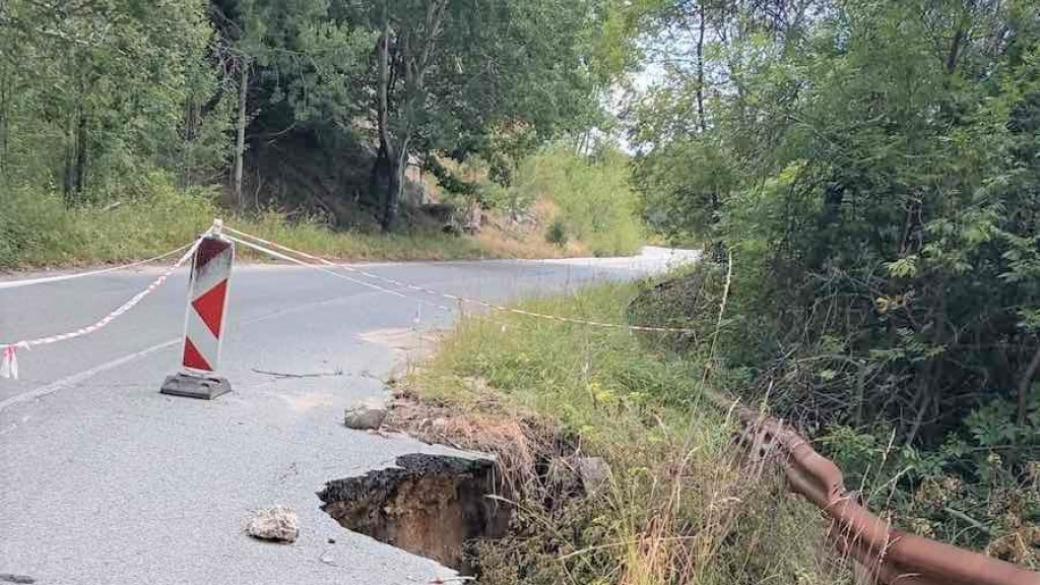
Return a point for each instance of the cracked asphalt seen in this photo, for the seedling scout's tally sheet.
(105, 481)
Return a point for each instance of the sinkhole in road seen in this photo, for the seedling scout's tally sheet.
(429, 505)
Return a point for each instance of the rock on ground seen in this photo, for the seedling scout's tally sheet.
(594, 472)
(367, 414)
(279, 524)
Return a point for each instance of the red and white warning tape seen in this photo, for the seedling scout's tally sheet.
(9, 360)
(409, 286)
(61, 277)
(281, 256)
(9, 351)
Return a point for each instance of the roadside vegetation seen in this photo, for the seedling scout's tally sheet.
(581, 199)
(862, 175)
(863, 178)
(40, 230)
(325, 122)
(868, 172)
(677, 506)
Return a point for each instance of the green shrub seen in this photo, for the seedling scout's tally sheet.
(557, 233)
(596, 203)
(979, 489)
(976, 486)
(31, 221)
(37, 229)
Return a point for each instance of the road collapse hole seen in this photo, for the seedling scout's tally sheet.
(429, 505)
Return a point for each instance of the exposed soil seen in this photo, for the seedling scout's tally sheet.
(540, 465)
(428, 505)
(447, 509)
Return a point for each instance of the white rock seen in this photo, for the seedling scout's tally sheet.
(278, 523)
(594, 472)
(366, 414)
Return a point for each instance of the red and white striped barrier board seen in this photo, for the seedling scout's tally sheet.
(204, 323)
(210, 272)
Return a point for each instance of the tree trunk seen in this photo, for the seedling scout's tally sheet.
(4, 123)
(955, 49)
(190, 133)
(700, 69)
(75, 157)
(240, 140)
(414, 63)
(67, 185)
(378, 178)
(387, 162)
(81, 154)
(393, 193)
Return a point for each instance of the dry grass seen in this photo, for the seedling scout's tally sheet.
(527, 240)
(500, 243)
(517, 441)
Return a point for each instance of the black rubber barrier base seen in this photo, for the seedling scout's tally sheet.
(192, 386)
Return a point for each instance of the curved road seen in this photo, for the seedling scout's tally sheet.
(105, 481)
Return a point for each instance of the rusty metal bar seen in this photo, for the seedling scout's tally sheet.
(887, 555)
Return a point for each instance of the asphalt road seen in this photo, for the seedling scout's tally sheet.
(105, 481)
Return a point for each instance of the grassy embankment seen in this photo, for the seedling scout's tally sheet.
(679, 506)
(39, 231)
(569, 207)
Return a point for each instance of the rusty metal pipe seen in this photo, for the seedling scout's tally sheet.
(867, 561)
(890, 556)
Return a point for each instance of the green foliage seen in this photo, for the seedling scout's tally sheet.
(453, 75)
(583, 199)
(545, 88)
(309, 59)
(97, 96)
(878, 204)
(38, 230)
(93, 96)
(873, 168)
(556, 233)
(596, 204)
(683, 185)
(980, 488)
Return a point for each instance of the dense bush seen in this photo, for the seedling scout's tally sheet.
(980, 488)
(874, 170)
(595, 200)
(38, 229)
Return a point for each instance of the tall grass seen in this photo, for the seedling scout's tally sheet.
(596, 203)
(680, 507)
(591, 209)
(570, 201)
(38, 230)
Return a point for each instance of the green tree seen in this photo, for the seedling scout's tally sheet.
(94, 93)
(873, 168)
(446, 73)
(306, 60)
(874, 161)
